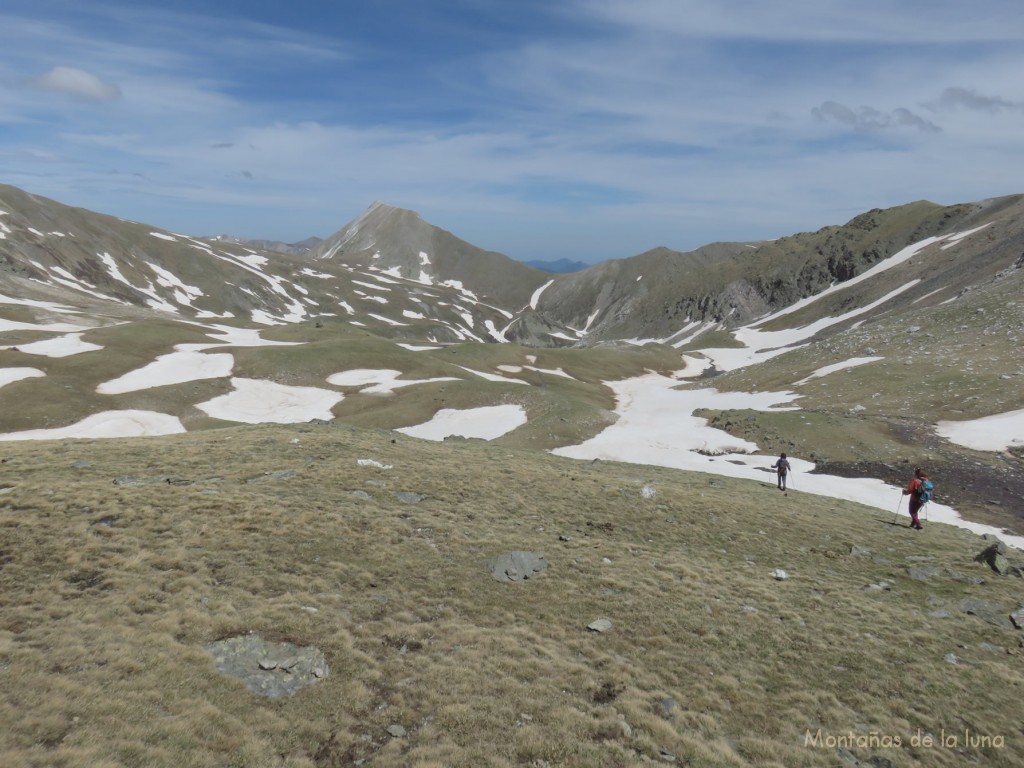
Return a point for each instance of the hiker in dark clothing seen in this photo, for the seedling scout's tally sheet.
(782, 467)
(919, 489)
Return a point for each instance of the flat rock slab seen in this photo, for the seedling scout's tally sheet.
(516, 566)
(268, 668)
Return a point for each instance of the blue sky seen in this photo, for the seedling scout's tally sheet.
(585, 129)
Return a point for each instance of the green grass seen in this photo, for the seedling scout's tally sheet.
(102, 626)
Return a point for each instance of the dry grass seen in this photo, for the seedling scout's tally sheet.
(109, 591)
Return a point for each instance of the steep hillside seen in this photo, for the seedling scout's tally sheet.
(665, 294)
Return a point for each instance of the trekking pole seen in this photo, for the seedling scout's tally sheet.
(896, 516)
(925, 509)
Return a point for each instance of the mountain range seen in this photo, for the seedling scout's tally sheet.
(927, 293)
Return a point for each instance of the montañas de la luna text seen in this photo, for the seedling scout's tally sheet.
(880, 740)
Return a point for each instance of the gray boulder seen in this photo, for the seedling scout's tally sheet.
(268, 668)
(516, 566)
(994, 556)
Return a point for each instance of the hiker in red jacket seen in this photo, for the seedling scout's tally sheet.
(919, 489)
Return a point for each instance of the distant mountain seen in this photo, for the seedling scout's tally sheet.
(400, 243)
(558, 266)
(296, 249)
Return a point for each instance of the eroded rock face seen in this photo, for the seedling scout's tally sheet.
(268, 668)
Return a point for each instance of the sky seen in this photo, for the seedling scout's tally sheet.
(542, 129)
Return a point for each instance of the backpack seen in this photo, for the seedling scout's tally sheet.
(924, 490)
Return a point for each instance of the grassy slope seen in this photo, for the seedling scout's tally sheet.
(102, 626)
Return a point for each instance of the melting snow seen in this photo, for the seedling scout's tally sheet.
(11, 375)
(417, 348)
(990, 433)
(826, 370)
(185, 293)
(174, 368)
(376, 382)
(256, 402)
(536, 294)
(956, 237)
(61, 346)
(162, 236)
(487, 423)
(495, 377)
(372, 286)
(253, 260)
(41, 304)
(387, 320)
(108, 424)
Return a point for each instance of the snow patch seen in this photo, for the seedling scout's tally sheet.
(487, 423)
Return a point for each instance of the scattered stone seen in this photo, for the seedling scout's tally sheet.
(409, 497)
(994, 556)
(858, 551)
(107, 521)
(942, 613)
(280, 474)
(957, 576)
(667, 706)
(667, 756)
(986, 611)
(81, 464)
(268, 668)
(880, 586)
(396, 731)
(563, 537)
(516, 566)
(779, 575)
(1017, 617)
(992, 648)
(361, 495)
(129, 481)
(373, 463)
(648, 492)
(319, 422)
(922, 572)
(599, 625)
(952, 658)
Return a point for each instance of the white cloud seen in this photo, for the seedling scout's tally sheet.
(871, 119)
(76, 82)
